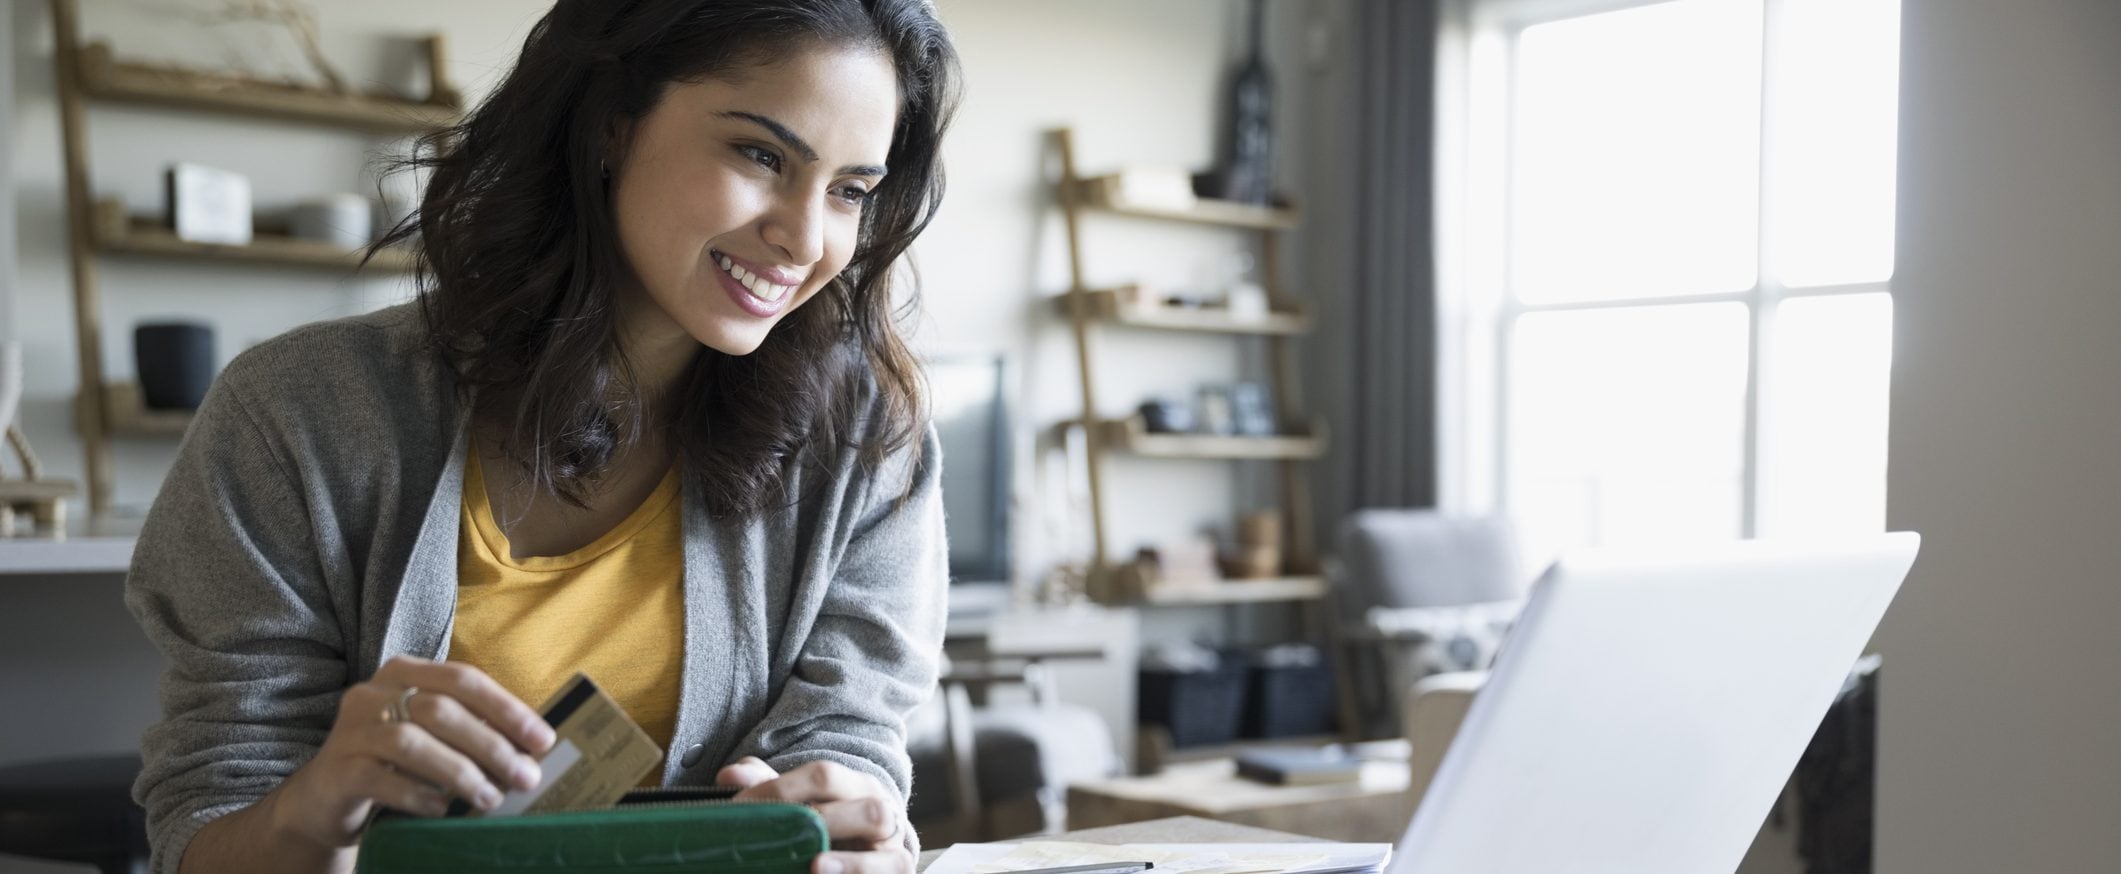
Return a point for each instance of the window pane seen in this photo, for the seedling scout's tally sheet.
(1835, 105)
(1626, 425)
(1823, 449)
(1636, 144)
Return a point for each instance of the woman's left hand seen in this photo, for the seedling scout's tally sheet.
(866, 829)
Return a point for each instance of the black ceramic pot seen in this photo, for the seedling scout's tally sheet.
(175, 361)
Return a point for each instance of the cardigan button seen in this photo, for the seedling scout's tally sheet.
(693, 756)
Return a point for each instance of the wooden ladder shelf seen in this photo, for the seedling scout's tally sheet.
(104, 410)
(1298, 442)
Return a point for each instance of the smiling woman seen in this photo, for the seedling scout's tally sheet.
(633, 147)
(650, 419)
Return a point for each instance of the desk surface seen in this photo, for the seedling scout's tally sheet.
(92, 545)
(1170, 830)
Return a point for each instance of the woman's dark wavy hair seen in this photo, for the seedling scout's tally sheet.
(519, 259)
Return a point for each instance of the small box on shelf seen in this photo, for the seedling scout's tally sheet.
(208, 204)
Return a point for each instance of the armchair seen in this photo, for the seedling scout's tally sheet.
(1417, 592)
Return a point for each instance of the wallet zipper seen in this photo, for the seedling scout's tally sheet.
(661, 797)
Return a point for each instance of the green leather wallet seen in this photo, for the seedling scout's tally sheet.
(666, 831)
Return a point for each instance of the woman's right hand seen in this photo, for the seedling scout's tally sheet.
(466, 737)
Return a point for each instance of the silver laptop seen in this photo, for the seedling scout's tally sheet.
(1647, 709)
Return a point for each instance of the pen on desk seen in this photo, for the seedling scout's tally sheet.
(1101, 868)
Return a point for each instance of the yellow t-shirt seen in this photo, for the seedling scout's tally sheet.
(613, 609)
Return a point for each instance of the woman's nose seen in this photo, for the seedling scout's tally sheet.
(796, 226)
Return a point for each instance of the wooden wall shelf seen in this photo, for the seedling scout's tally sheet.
(126, 414)
(104, 77)
(1111, 305)
(1239, 592)
(1129, 586)
(118, 233)
(1130, 435)
(1102, 192)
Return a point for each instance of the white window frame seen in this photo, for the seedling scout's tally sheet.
(1475, 106)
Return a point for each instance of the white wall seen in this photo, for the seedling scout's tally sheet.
(2000, 700)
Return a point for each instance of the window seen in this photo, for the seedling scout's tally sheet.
(1666, 238)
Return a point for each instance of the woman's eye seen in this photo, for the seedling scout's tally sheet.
(761, 157)
(854, 195)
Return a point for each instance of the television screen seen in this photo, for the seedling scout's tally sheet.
(967, 396)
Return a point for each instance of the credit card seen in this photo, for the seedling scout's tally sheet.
(599, 756)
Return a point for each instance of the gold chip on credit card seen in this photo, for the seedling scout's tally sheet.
(598, 755)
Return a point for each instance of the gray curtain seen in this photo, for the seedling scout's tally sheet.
(1373, 360)
(1378, 357)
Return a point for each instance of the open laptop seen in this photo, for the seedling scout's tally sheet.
(1647, 709)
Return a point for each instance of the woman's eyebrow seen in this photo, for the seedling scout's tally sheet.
(795, 143)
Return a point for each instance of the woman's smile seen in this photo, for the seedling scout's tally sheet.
(760, 290)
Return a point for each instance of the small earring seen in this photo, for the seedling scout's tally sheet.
(604, 167)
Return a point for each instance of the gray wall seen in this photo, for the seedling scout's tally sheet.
(2000, 703)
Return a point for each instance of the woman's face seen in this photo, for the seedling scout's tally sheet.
(738, 198)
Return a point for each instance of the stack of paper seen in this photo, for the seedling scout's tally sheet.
(1300, 858)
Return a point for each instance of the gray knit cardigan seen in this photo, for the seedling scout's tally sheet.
(308, 532)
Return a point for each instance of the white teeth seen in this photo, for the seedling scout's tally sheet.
(766, 291)
(758, 287)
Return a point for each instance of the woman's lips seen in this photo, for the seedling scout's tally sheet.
(749, 300)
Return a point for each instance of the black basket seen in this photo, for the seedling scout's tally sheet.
(1289, 701)
(1198, 708)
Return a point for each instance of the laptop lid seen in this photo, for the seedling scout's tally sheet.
(1648, 708)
